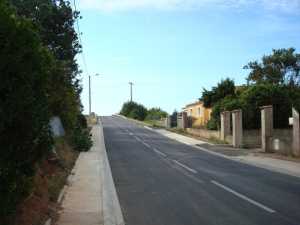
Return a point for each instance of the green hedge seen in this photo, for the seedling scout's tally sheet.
(24, 132)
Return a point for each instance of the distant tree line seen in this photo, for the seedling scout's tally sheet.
(139, 112)
(273, 81)
(39, 79)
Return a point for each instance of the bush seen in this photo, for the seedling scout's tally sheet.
(81, 140)
(134, 110)
(156, 114)
(25, 136)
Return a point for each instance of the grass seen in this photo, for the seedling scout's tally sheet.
(66, 160)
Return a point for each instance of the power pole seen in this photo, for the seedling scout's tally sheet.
(131, 84)
(90, 92)
(90, 98)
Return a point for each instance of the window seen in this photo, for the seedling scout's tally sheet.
(199, 111)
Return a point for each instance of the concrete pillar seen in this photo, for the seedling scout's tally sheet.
(179, 120)
(168, 122)
(266, 128)
(184, 120)
(296, 133)
(237, 128)
(225, 124)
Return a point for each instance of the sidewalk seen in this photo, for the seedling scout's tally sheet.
(247, 156)
(90, 197)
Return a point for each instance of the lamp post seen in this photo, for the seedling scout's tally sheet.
(131, 84)
(90, 94)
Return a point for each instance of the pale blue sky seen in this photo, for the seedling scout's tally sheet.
(171, 49)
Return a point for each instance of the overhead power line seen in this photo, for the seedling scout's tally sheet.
(80, 42)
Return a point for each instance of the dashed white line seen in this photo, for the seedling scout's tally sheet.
(138, 139)
(243, 197)
(184, 166)
(144, 143)
(160, 153)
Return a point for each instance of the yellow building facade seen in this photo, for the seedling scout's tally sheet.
(198, 113)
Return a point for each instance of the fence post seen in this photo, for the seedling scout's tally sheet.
(225, 124)
(296, 133)
(184, 120)
(266, 128)
(237, 128)
(168, 122)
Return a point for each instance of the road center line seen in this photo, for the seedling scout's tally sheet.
(243, 197)
(160, 153)
(184, 166)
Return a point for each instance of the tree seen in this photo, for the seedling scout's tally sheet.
(134, 110)
(281, 67)
(24, 132)
(224, 88)
(54, 20)
(156, 114)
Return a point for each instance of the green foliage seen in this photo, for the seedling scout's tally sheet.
(81, 139)
(39, 79)
(281, 67)
(54, 22)
(262, 95)
(274, 81)
(134, 110)
(224, 88)
(24, 132)
(156, 114)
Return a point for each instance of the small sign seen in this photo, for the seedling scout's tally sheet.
(291, 121)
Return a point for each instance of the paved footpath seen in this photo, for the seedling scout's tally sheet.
(90, 197)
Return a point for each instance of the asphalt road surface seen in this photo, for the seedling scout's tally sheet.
(160, 181)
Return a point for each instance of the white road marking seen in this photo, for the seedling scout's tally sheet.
(160, 153)
(138, 139)
(144, 143)
(243, 197)
(148, 128)
(184, 166)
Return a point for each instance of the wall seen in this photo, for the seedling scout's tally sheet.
(207, 134)
(282, 140)
(252, 138)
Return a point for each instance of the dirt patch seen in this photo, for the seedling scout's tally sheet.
(49, 180)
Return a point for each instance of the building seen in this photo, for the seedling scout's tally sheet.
(198, 114)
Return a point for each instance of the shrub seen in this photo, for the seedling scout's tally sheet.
(25, 136)
(134, 110)
(81, 140)
(156, 114)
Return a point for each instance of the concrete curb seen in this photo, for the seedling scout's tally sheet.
(112, 212)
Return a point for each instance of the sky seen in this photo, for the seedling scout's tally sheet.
(172, 49)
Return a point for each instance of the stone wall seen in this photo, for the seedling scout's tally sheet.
(282, 140)
(207, 134)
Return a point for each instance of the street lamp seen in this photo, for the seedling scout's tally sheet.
(90, 97)
(131, 84)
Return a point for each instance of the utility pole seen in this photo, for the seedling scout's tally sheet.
(90, 94)
(90, 98)
(131, 84)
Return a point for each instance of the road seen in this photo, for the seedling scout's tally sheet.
(160, 181)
